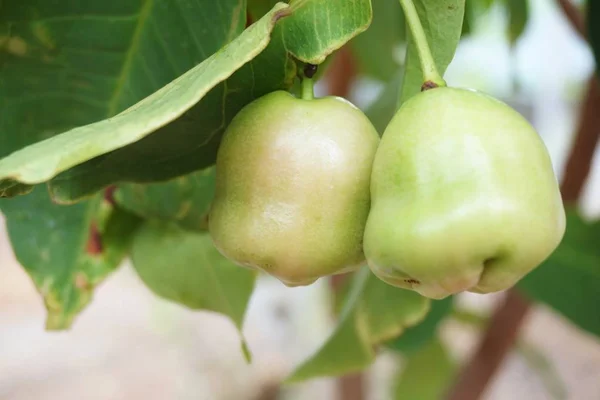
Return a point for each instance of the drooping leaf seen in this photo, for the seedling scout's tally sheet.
(420, 335)
(185, 267)
(67, 251)
(376, 49)
(391, 310)
(569, 280)
(44, 160)
(593, 26)
(372, 312)
(518, 15)
(185, 200)
(427, 375)
(190, 141)
(348, 349)
(442, 22)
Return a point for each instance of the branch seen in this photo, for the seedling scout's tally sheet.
(574, 16)
(341, 73)
(579, 162)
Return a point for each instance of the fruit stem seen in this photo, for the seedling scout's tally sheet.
(308, 92)
(431, 76)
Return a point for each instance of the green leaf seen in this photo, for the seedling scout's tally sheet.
(183, 139)
(372, 312)
(10, 188)
(593, 25)
(185, 200)
(427, 374)
(145, 161)
(383, 39)
(442, 21)
(185, 267)
(416, 337)
(569, 280)
(349, 348)
(390, 310)
(518, 14)
(51, 242)
(474, 9)
(44, 160)
(258, 8)
(320, 27)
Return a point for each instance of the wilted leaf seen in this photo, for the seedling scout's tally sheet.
(67, 251)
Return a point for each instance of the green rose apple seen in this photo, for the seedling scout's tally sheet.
(464, 197)
(292, 195)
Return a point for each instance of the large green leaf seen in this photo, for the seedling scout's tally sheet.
(186, 268)
(52, 242)
(418, 336)
(372, 312)
(593, 25)
(376, 49)
(137, 78)
(442, 21)
(427, 374)
(569, 281)
(185, 200)
(183, 139)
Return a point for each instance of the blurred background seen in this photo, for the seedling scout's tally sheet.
(129, 344)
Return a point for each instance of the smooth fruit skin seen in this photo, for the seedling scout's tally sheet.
(292, 187)
(464, 197)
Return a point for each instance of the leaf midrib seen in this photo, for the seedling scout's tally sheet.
(131, 52)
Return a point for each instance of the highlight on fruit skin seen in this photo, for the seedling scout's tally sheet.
(464, 196)
(293, 187)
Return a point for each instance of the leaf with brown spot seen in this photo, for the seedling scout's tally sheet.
(52, 243)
